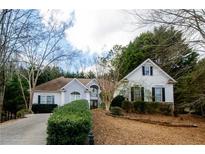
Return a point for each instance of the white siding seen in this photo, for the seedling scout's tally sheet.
(157, 79)
(71, 87)
(64, 96)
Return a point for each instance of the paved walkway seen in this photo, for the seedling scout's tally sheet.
(29, 130)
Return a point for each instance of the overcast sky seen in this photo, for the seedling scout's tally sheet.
(94, 32)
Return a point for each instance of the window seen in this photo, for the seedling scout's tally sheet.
(42, 99)
(46, 99)
(137, 93)
(50, 99)
(147, 70)
(94, 90)
(75, 96)
(158, 94)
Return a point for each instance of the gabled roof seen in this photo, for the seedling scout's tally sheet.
(57, 84)
(149, 60)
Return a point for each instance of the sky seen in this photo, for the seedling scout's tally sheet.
(93, 32)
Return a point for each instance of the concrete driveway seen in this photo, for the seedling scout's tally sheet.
(30, 130)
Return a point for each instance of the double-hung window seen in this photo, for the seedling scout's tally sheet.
(137, 93)
(158, 94)
(46, 99)
(50, 99)
(42, 99)
(147, 70)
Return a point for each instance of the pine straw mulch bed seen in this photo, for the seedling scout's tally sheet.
(112, 130)
(156, 119)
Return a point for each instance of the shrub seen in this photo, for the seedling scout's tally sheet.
(43, 108)
(20, 113)
(117, 101)
(127, 106)
(153, 107)
(69, 124)
(140, 106)
(116, 110)
(165, 108)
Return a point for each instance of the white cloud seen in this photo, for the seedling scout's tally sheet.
(92, 68)
(56, 17)
(94, 31)
(99, 30)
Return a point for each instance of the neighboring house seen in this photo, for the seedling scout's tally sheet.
(64, 90)
(148, 82)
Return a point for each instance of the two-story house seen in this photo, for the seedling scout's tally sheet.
(148, 82)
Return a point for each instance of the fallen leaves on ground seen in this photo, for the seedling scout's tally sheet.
(111, 130)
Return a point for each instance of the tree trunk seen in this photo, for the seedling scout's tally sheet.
(22, 91)
(2, 90)
(1, 98)
(30, 99)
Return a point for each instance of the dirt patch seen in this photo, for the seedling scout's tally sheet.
(110, 130)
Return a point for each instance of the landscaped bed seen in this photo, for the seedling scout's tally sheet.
(112, 130)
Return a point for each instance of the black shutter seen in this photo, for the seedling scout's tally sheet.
(143, 70)
(52, 99)
(163, 94)
(142, 93)
(132, 93)
(153, 94)
(39, 99)
(151, 70)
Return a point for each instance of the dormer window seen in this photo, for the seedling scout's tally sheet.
(147, 70)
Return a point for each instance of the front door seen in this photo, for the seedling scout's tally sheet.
(93, 104)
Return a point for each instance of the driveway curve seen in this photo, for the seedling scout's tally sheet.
(30, 130)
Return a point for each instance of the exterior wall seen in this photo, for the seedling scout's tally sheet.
(64, 96)
(93, 82)
(71, 87)
(57, 96)
(159, 79)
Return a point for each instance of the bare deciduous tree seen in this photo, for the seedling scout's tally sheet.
(13, 23)
(44, 47)
(108, 75)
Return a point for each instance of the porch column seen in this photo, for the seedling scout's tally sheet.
(62, 98)
(88, 97)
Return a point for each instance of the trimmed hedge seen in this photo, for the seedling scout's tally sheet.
(127, 106)
(117, 101)
(153, 107)
(43, 108)
(70, 124)
(116, 110)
